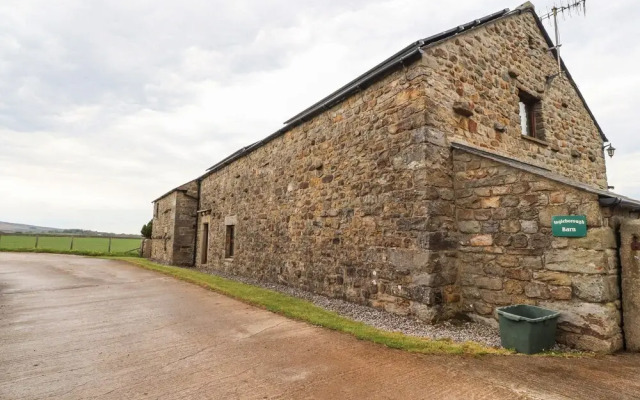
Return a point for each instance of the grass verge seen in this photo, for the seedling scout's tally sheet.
(303, 310)
(73, 252)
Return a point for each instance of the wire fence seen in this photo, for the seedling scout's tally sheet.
(99, 244)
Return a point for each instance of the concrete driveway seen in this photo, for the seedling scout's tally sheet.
(86, 328)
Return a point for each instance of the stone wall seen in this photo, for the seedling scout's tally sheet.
(184, 235)
(472, 83)
(509, 256)
(356, 203)
(630, 255)
(145, 248)
(174, 226)
(163, 228)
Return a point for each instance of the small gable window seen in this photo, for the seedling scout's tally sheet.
(531, 116)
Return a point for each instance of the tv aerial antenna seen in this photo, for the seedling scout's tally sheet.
(571, 7)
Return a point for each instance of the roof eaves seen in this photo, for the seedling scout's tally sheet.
(408, 51)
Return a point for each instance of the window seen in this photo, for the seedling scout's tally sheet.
(531, 116)
(155, 210)
(229, 241)
(204, 252)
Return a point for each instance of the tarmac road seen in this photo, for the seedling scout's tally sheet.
(86, 328)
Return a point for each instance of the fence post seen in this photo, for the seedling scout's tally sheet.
(109, 251)
(71, 247)
(37, 241)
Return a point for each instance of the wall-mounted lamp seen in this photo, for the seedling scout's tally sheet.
(610, 149)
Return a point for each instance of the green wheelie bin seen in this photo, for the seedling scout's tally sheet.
(527, 329)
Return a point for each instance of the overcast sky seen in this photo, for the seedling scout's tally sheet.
(106, 105)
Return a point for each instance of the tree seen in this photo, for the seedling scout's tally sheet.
(147, 229)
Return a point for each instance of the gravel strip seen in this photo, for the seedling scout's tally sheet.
(461, 331)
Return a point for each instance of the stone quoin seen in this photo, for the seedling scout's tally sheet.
(426, 187)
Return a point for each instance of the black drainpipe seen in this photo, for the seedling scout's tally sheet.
(195, 237)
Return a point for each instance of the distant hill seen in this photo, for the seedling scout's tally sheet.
(10, 227)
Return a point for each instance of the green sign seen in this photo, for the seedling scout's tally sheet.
(569, 225)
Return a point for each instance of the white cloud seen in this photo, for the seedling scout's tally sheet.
(107, 105)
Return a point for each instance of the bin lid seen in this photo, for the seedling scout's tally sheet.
(525, 312)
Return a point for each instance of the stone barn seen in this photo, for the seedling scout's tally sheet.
(428, 186)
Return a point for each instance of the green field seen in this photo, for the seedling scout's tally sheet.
(94, 244)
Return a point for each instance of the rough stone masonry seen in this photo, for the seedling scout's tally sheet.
(418, 193)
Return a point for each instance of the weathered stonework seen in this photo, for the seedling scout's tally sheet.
(374, 200)
(518, 261)
(472, 84)
(630, 254)
(356, 203)
(145, 248)
(174, 222)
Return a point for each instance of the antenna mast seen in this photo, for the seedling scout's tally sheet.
(578, 5)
